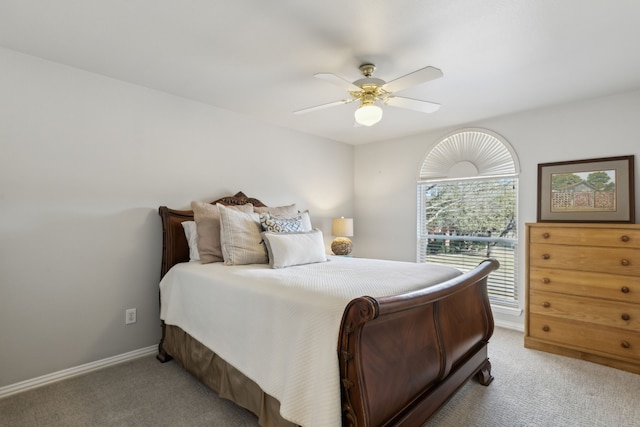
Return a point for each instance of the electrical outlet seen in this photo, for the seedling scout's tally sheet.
(130, 316)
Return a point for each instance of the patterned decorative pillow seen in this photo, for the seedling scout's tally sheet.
(279, 224)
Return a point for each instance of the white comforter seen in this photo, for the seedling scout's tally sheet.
(280, 326)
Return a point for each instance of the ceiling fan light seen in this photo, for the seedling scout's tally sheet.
(368, 115)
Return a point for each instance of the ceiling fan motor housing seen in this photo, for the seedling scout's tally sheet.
(367, 69)
(371, 89)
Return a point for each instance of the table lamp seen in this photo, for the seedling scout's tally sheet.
(342, 228)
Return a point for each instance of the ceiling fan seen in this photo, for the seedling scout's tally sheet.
(369, 89)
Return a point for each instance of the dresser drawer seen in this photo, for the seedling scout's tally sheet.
(609, 237)
(623, 261)
(582, 336)
(586, 283)
(605, 313)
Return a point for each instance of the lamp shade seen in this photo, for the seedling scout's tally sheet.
(368, 115)
(342, 227)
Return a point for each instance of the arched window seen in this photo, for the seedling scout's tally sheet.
(467, 207)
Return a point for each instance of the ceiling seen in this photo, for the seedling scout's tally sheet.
(258, 57)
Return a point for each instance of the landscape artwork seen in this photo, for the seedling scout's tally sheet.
(590, 190)
(584, 191)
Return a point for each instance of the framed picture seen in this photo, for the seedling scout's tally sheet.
(591, 190)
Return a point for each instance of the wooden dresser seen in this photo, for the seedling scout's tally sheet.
(583, 292)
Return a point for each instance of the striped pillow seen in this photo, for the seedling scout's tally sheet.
(207, 219)
(240, 237)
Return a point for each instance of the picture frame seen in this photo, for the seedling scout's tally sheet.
(589, 190)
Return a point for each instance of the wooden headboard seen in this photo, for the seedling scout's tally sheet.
(175, 248)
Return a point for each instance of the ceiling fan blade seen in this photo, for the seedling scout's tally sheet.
(412, 79)
(412, 104)
(337, 80)
(323, 106)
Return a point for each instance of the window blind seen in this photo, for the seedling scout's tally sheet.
(462, 222)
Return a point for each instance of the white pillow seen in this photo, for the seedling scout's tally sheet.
(240, 237)
(288, 249)
(306, 220)
(191, 233)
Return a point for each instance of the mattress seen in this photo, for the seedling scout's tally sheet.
(280, 327)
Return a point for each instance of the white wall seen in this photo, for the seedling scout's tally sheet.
(85, 161)
(386, 172)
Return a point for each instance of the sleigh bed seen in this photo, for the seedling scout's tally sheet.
(393, 358)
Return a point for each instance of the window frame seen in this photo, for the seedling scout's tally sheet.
(465, 155)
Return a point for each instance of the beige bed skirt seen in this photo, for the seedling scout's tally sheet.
(227, 381)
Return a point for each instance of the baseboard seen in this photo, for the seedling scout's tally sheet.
(508, 317)
(72, 372)
(516, 326)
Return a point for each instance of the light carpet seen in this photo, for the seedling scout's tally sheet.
(531, 388)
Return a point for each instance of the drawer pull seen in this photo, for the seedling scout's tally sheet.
(624, 262)
(545, 235)
(546, 328)
(546, 280)
(625, 344)
(624, 238)
(624, 290)
(546, 256)
(546, 304)
(625, 317)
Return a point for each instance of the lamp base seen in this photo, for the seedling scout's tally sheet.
(341, 246)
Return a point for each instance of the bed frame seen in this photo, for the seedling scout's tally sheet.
(401, 357)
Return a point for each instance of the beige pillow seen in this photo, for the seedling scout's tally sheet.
(207, 218)
(240, 237)
(278, 210)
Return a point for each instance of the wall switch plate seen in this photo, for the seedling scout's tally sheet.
(130, 316)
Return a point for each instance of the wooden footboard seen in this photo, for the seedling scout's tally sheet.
(402, 357)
